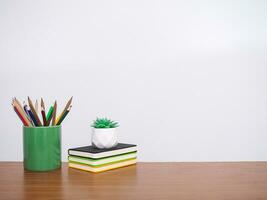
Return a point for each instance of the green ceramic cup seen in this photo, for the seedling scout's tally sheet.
(42, 148)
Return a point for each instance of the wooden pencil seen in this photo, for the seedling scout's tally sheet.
(49, 115)
(54, 114)
(36, 106)
(43, 112)
(20, 116)
(32, 117)
(42, 104)
(63, 116)
(25, 108)
(18, 102)
(44, 118)
(18, 106)
(64, 110)
(34, 112)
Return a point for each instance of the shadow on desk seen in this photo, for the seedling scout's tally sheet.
(105, 185)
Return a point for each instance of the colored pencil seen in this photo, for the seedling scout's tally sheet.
(36, 106)
(42, 104)
(64, 110)
(28, 114)
(34, 112)
(43, 112)
(19, 108)
(18, 102)
(49, 115)
(63, 116)
(25, 107)
(44, 119)
(33, 118)
(20, 116)
(54, 114)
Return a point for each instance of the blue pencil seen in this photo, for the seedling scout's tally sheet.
(25, 107)
(33, 118)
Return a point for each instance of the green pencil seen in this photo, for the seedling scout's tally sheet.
(49, 115)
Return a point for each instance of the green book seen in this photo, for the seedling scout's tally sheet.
(102, 161)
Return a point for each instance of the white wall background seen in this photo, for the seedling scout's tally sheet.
(187, 80)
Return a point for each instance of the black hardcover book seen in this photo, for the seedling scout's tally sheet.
(93, 152)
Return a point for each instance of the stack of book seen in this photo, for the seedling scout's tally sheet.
(91, 159)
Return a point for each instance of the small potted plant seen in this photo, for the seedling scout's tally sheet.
(104, 134)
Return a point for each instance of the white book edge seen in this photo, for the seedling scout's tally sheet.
(103, 154)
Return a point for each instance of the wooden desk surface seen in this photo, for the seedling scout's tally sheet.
(246, 181)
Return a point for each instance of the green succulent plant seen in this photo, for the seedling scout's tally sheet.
(104, 123)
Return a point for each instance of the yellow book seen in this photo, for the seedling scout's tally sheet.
(102, 168)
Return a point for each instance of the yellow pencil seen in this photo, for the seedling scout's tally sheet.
(64, 110)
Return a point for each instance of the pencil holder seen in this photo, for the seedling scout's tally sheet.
(42, 148)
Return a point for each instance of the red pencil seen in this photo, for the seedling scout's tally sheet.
(44, 117)
(43, 112)
(20, 116)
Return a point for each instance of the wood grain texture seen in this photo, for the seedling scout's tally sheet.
(238, 181)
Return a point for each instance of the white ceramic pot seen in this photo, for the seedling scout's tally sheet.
(104, 138)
